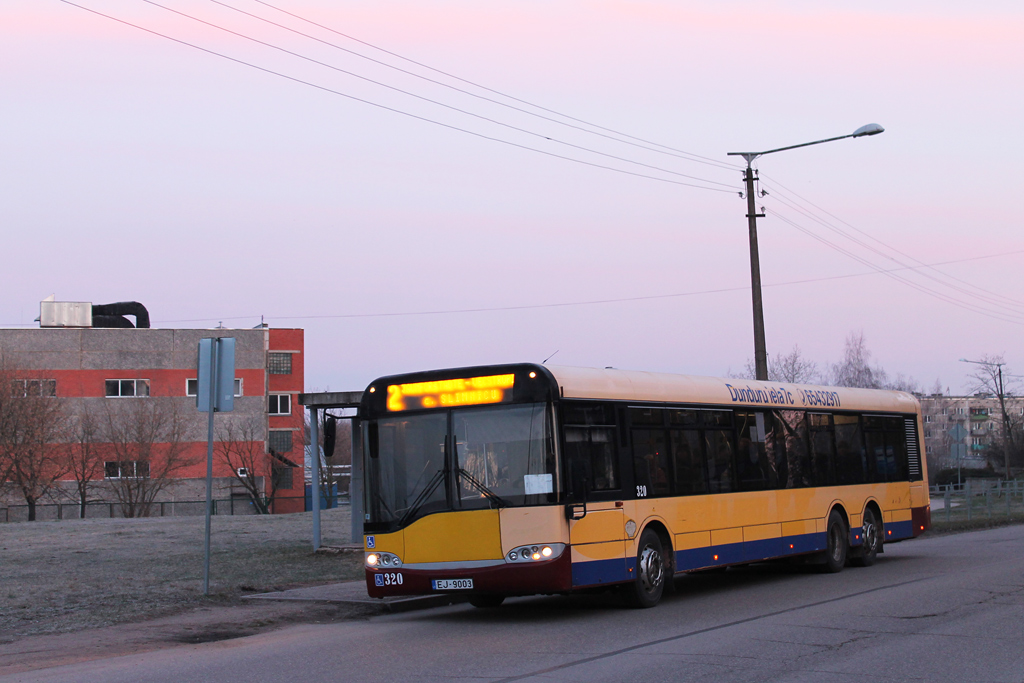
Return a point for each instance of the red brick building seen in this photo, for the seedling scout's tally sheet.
(115, 371)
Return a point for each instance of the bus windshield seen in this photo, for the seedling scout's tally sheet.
(500, 456)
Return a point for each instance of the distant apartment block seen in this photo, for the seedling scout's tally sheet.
(966, 431)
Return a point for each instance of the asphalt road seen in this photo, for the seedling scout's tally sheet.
(949, 608)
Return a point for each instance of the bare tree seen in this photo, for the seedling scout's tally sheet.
(989, 378)
(33, 428)
(792, 367)
(242, 447)
(84, 456)
(855, 369)
(147, 438)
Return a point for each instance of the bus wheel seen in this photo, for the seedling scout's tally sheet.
(649, 585)
(487, 601)
(837, 542)
(872, 533)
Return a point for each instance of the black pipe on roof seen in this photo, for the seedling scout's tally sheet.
(112, 315)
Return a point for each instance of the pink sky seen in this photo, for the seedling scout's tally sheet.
(135, 168)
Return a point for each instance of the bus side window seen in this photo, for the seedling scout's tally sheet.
(886, 448)
(822, 448)
(719, 448)
(753, 457)
(591, 454)
(688, 462)
(850, 460)
(650, 463)
(800, 468)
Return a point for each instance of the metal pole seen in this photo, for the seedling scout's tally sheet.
(314, 466)
(355, 486)
(209, 464)
(760, 354)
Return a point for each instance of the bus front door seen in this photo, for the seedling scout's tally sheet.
(596, 530)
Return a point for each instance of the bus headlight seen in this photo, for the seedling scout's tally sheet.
(535, 553)
(378, 559)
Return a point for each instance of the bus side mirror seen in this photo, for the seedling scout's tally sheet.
(372, 436)
(330, 435)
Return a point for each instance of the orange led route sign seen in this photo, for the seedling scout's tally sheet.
(450, 393)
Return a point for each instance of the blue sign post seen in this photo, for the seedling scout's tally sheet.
(215, 393)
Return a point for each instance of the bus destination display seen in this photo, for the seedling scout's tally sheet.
(445, 393)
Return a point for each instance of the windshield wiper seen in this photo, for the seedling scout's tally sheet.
(489, 494)
(421, 499)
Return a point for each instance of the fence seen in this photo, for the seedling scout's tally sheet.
(977, 499)
(106, 510)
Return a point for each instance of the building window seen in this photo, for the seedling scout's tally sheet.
(123, 388)
(927, 418)
(129, 469)
(280, 441)
(944, 411)
(34, 387)
(279, 363)
(927, 433)
(282, 477)
(192, 387)
(280, 404)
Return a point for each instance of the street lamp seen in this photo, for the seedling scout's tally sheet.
(1002, 407)
(760, 354)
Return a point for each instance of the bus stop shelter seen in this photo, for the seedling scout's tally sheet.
(322, 403)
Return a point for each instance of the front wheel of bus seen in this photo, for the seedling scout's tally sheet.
(487, 601)
(837, 542)
(649, 585)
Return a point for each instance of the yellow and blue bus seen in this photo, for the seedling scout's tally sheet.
(526, 479)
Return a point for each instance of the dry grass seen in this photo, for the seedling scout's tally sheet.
(66, 576)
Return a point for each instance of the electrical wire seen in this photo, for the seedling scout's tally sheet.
(692, 157)
(433, 101)
(388, 108)
(1017, 308)
(593, 302)
(1006, 299)
(679, 155)
(1009, 317)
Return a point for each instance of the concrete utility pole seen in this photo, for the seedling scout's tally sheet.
(760, 351)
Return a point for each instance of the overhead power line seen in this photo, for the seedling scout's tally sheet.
(1011, 317)
(433, 101)
(689, 155)
(992, 296)
(630, 140)
(392, 109)
(567, 304)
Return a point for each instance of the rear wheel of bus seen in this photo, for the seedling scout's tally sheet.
(837, 543)
(649, 585)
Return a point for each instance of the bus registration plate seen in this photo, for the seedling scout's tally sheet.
(452, 584)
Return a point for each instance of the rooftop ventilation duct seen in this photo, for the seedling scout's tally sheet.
(113, 315)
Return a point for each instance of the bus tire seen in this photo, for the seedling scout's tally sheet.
(837, 543)
(487, 601)
(649, 584)
(871, 531)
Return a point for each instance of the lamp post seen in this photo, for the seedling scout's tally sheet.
(1007, 435)
(760, 353)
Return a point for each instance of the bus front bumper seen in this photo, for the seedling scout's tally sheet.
(502, 578)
